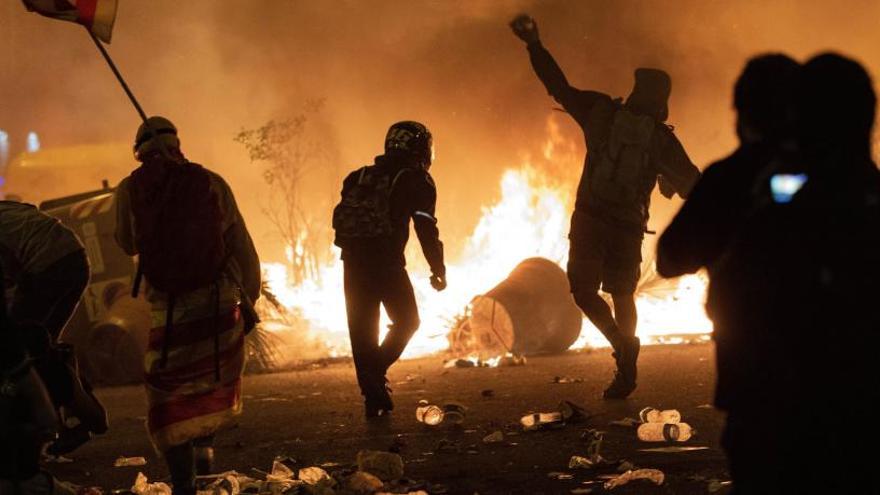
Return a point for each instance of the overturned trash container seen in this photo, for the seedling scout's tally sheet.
(532, 311)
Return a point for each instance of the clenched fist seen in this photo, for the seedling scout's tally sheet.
(525, 28)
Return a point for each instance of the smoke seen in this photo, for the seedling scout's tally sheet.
(216, 66)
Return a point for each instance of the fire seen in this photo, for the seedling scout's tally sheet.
(530, 219)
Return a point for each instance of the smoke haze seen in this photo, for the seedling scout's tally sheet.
(215, 67)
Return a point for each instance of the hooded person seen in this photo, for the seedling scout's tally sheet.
(201, 275)
(372, 223)
(630, 150)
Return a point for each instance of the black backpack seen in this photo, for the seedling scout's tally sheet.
(364, 212)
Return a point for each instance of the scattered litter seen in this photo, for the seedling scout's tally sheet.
(129, 461)
(397, 445)
(675, 448)
(626, 422)
(572, 413)
(312, 475)
(560, 476)
(594, 447)
(705, 406)
(384, 465)
(512, 360)
(448, 446)
(280, 472)
(651, 415)
(562, 380)
(459, 363)
(578, 462)
(472, 449)
(579, 491)
(363, 482)
(431, 414)
(494, 437)
(143, 487)
(653, 475)
(717, 485)
(542, 421)
(625, 466)
(487, 393)
(57, 459)
(665, 432)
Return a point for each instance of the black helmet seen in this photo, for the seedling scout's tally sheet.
(155, 127)
(411, 138)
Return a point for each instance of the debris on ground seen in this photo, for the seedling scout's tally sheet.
(429, 414)
(487, 393)
(673, 449)
(384, 465)
(717, 485)
(57, 459)
(572, 413)
(653, 475)
(313, 475)
(143, 487)
(652, 415)
(579, 462)
(129, 461)
(626, 423)
(664, 432)
(556, 475)
(567, 412)
(581, 491)
(562, 380)
(512, 360)
(594, 440)
(448, 446)
(364, 482)
(494, 437)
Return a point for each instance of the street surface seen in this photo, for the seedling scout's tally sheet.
(315, 417)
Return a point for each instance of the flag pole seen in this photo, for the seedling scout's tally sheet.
(137, 106)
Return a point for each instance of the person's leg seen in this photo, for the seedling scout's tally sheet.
(181, 468)
(203, 455)
(362, 306)
(619, 278)
(400, 303)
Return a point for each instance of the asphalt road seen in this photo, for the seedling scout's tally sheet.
(315, 417)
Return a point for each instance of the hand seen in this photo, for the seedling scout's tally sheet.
(666, 188)
(438, 282)
(525, 28)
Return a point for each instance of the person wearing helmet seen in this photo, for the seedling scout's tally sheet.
(372, 227)
(201, 275)
(630, 150)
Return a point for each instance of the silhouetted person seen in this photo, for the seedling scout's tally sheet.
(46, 272)
(201, 275)
(629, 147)
(28, 419)
(792, 296)
(372, 228)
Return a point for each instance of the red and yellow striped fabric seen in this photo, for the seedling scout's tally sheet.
(185, 399)
(97, 15)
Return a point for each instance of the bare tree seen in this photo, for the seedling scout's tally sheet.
(287, 151)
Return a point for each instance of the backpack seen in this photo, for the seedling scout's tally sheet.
(617, 173)
(364, 212)
(179, 233)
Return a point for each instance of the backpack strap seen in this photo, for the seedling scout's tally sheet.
(397, 176)
(362, 175)
(136, 283)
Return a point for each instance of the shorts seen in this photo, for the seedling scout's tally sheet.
(604, 255)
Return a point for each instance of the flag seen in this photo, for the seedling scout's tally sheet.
(96, 15)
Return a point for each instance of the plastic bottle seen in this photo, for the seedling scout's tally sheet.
(665, 432)
(541, 420)
(429, 414)
(651, 415)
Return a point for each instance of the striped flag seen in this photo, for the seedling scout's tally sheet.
(96, 15)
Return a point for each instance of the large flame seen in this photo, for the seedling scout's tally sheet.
(530, 219)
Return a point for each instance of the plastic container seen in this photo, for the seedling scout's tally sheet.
(652, 415)
(537, 421)
(430, 414)
(665, 432)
